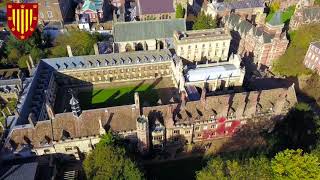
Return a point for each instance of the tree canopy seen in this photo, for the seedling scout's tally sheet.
(204, 21)
(179, 11)
(80, 42)
(293, 164)
(109, 161)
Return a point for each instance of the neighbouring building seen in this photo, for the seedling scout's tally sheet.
(203, 45)
(304, 16)
(90, 11)
(155, 9)
(146, 35)
(224, 76)
(312, 59)
(252, 10)
(263, 45)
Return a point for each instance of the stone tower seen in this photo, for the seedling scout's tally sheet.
(143, 134)
(75, 106)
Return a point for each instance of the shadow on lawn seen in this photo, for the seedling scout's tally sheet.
(148, 96)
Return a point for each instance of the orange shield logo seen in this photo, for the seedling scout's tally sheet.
(22, 19)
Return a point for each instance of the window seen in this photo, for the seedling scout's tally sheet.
(46, 3)
(205, 127)
(217, 44)
(197, 128)
(187, 132)
(68, 149)
(228, 124)
(199, 135)
(181, 48)
(50, 14)
(176, 132)
(189, 47)
(46, 151)
(214, 126)
(196, 46)
(203, 45)
(224, 44)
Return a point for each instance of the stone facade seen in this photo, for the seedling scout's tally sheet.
(261, 44)
(202, 45)
(10, 83)
(312, 58)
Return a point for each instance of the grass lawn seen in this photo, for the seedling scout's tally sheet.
(285, 15)
(99, 98)
(179, 169)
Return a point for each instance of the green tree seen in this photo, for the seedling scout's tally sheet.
(204, 21)
(293, 164)
(109, 161)
(213, 170)
(180, 11)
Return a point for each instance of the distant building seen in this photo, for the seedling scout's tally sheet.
(90, 11)
(312, 58)
(304, 16)
(261, 44)
(10, 83)
(146, 35)
(284, 4)
(155, 9)
(53, 11)
(203, 45)
(252, 10)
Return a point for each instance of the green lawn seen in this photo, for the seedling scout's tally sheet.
(285, 15)
(98, 98)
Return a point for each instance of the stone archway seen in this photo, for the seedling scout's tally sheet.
(139, 47)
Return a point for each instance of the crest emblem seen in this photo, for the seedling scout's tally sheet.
(22, 19)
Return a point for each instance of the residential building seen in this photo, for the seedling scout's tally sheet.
(304, 16)
(312, 59)
(203, 45)
(155, 9)
(252, 10)
(146, 35)
(262, 45)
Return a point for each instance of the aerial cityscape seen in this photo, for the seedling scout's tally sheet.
(159, 89)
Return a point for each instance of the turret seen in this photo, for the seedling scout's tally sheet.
(75, 106)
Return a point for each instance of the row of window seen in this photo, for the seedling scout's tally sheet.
(203, 46)
(197, 128)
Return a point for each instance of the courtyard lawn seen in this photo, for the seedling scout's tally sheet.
(99, 98)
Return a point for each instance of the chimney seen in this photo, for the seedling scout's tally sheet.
(69, 51)
(31, 119)
(102, 131)
(96, 49)
(29, 68)
(31, 61)
(183, 98)
(137, 100)
(203, 95)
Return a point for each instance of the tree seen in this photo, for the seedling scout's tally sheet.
(180, 11)
(252, 168)
(80, 42)
(293, 164)
(109, 161)
(204, 21)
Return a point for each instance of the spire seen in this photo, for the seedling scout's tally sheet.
(75, 106)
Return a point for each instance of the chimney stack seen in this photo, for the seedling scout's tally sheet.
(31, 61)
(69, 51)
(203, 95)
(96, 49)
(183, 97)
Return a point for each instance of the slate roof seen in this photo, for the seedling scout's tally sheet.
(155, 6)
(238, 5)
(316, 44)
(27, 171)
(144, 30)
